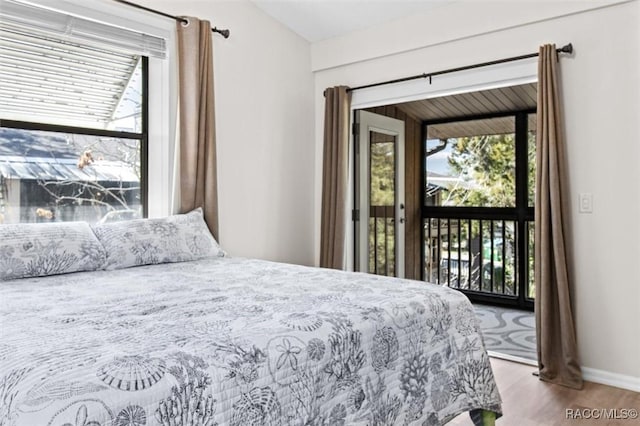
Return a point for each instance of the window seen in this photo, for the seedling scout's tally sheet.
(475, 164)
(73, 126)
(478, 214)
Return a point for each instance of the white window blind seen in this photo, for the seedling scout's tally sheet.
(40, 20)
(55, 78)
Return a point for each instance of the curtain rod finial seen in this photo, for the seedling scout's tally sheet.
(224, 33)
(568, 48)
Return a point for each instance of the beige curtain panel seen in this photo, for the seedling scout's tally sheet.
(197, 132)
(557, 349)
(335, 169)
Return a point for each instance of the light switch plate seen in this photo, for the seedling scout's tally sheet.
(585, 203)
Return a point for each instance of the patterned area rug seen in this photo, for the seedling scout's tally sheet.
(508, 331)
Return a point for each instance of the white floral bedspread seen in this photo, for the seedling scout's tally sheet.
(237, 342)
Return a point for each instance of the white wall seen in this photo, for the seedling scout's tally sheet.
(264, 126)
(601, 95)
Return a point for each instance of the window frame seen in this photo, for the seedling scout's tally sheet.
(163, 168)
(142, 136)
(520, 214)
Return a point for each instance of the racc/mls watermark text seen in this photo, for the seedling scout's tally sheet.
(601, 413)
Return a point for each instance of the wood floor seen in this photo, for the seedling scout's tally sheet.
(526, 401)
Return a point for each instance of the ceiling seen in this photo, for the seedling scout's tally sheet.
(502, 99)
(317, 20)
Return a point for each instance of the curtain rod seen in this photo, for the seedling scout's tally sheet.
(564, 49)
(224, 33)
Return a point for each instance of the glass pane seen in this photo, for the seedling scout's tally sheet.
(531, 149)
(382, 196)
(383, 169)
(47, 176)
(471, 163)
(127, 116)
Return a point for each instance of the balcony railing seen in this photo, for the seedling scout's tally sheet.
(479, 256)
(382, 252)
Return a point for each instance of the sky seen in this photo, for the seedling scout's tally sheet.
(437, 162)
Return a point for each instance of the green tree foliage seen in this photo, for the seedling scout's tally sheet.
(531, 153)
(383, 169)
(486, 166)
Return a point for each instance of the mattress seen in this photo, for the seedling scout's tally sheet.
(231, 341)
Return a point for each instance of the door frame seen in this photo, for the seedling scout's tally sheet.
(367, 121)
(500, 75)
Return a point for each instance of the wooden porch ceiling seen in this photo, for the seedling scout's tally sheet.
(499, 100)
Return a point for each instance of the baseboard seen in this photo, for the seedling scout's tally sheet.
(513, 358)
(588, 374)
(611, 379)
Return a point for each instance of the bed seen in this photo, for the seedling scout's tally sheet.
(230, 341)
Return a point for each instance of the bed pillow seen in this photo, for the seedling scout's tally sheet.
(40, 249)
(178, 238)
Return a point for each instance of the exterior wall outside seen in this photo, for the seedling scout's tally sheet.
(601, 94)
(12, 209)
